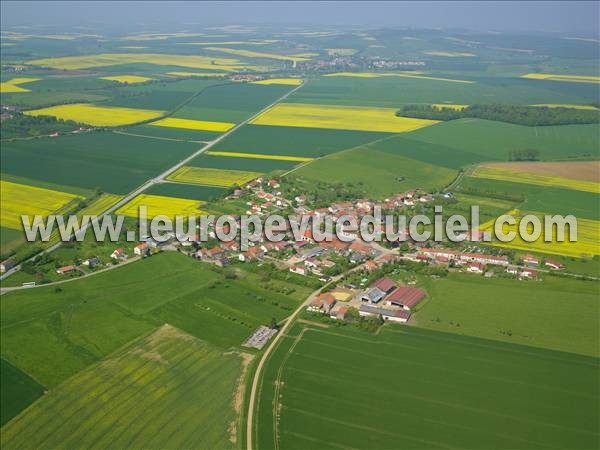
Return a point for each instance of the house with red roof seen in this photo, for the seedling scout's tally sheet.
(553, 264)
(66, 269)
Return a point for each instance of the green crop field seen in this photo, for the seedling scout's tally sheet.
(167, 133)
(17, 389)
(556, 313)
(231, 102)
(293, 141)
(191, 191)
(379, 173)
(151, 393)
(413, 388)
(158, 95)
(546, 199)
(437, 154)
(395, 91)
(113, 162)
(245, 164)
(494, 140)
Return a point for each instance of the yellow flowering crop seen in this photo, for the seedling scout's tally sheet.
(539, 179)
(159, 205)
(130, 79)
(259, 156)
(556, 77)
(339, 118)
(101, 116)
(21, 199)
(212, 177)
(188, 124)
(12, 86)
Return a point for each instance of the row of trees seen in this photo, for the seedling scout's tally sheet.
(21, 125)
(520, 115)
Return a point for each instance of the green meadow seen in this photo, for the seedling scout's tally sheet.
(556, 313)
(492, 141)
(379, 173)
(53, 332)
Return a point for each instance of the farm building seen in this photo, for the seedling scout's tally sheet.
(406, 297)
(387, 285)
(373, 295)
(339, 313)
(387, 314)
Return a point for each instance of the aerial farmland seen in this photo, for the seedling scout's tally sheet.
(200, 338)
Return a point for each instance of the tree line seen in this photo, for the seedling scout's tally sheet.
(517, 114)
(20, 125)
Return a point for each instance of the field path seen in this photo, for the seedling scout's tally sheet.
(4, 290)
(288, 323)
(157, 179)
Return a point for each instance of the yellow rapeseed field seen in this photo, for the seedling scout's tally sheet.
(561, 105)
(339, 118)
(556, 77)
(189, 124)
(158, 205)
(111, 59)
(129, 79)
(449, 106)
(18, 199)
(100, 116)
(449, 54)
(264, 55)
(97, 207)
(418, 75)
(287, 81)
(259, 156)
(587, 244)
(212, 177)
(539, 179)
(12, 86)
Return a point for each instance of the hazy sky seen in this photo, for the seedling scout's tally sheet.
(574, 17)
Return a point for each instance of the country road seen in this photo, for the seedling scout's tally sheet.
(288, 323)
(157, 179)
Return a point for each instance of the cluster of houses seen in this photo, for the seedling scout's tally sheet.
(478, 263)
(384, 298)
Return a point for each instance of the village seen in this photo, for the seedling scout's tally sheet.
(327, 260)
